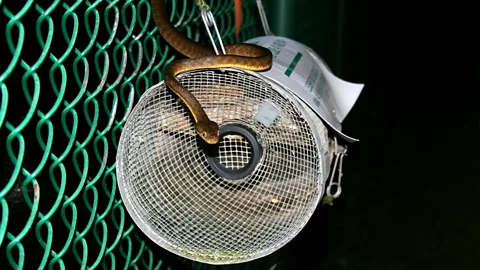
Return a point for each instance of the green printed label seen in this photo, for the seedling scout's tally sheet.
(293, 64)
(276, 47)
(311, 79)
(320, 90)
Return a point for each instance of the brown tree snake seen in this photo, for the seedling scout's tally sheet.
(242, 56)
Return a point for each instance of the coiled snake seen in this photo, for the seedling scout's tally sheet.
(241, 56)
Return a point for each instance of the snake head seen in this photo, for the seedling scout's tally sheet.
(208, 131)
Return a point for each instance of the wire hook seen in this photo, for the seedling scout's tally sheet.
(209, 21)
(338, 161)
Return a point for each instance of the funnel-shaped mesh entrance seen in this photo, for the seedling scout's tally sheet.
(234, 152)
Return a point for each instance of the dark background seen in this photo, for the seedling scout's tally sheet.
(411, 185)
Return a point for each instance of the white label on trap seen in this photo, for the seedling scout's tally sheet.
(267, 113)
(300, 69)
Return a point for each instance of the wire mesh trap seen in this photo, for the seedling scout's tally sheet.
(232, 203)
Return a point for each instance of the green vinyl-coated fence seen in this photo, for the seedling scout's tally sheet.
(70, 72)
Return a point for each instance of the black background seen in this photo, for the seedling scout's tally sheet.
(411, 185)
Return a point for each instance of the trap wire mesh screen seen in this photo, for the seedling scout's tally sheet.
(189, 209)
(70, 72)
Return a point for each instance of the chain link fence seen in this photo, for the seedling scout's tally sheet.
(70, 72)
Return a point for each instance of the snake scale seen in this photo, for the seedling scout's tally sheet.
(241, 56)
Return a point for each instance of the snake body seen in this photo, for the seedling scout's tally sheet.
(241, 56)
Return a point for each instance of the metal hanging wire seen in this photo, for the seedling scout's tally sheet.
(209, 22)
(263, 18)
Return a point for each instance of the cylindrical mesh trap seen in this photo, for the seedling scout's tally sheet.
(208, 210)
